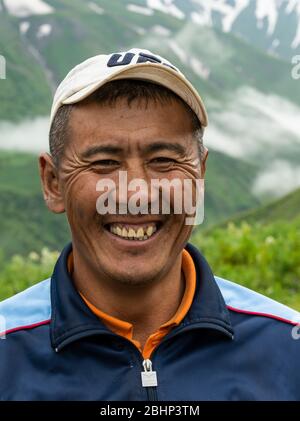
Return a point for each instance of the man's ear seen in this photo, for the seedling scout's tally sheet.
(50, 184)
(203, 162)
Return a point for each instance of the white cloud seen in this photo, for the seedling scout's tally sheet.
(253, 125)
(262, 129)
(30, 135)
(278, 179)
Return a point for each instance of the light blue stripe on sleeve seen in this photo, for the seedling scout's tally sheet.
(245, 299)
(26, 308)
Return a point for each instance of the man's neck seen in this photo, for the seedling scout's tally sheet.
(146, 307)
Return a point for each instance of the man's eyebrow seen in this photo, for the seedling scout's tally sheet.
(109, 149)
(160, 146)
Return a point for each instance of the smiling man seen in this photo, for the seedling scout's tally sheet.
(132, 310)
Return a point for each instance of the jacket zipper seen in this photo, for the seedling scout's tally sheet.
(152, 384)
(149, 380)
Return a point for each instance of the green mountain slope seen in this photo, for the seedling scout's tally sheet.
(228, 184)
(25, 91)
(286, 209)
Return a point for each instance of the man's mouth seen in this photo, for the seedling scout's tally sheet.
(133, 232)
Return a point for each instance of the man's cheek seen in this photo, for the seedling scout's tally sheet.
(81, 208)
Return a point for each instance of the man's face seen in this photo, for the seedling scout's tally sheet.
(152, 142)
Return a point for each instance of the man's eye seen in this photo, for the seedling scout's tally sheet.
(163, 160)
(106, 162)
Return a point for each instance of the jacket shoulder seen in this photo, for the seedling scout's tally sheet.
(27, 309)
(244, 300)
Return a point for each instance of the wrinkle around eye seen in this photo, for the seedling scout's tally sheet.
(71, 170)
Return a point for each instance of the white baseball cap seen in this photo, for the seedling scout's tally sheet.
(91, 74)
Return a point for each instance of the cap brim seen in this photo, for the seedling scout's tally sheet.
(165, 76)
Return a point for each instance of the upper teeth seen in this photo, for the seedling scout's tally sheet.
(141, 233)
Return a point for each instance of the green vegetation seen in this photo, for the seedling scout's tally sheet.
(263, 257)
(19, 273)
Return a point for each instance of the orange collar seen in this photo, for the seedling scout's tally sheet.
(125, 329)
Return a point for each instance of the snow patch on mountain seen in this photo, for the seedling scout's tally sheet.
(161, 30)
(44, 30)
(294, 6)
(199, 68)
(24, 8)
(95, 8)
(166, 6)
(24, 26)
(139, 9)
(179, 51)
(138, 29)
(228, 11)
(267, 9)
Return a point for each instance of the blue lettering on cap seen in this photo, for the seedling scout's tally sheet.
(117, 60)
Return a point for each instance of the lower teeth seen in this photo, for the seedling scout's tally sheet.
(134, 239)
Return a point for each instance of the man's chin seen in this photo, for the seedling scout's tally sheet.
(136, 279)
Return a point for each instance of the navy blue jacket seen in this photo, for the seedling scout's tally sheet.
(234, 344)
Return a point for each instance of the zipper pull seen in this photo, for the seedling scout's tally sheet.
(149, 377)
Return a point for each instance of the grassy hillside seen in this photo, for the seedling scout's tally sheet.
(227, 187)
(26, 225)
(286, 209)
(261, 257)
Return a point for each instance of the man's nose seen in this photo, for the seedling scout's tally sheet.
(136, 169)
(138, 185)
